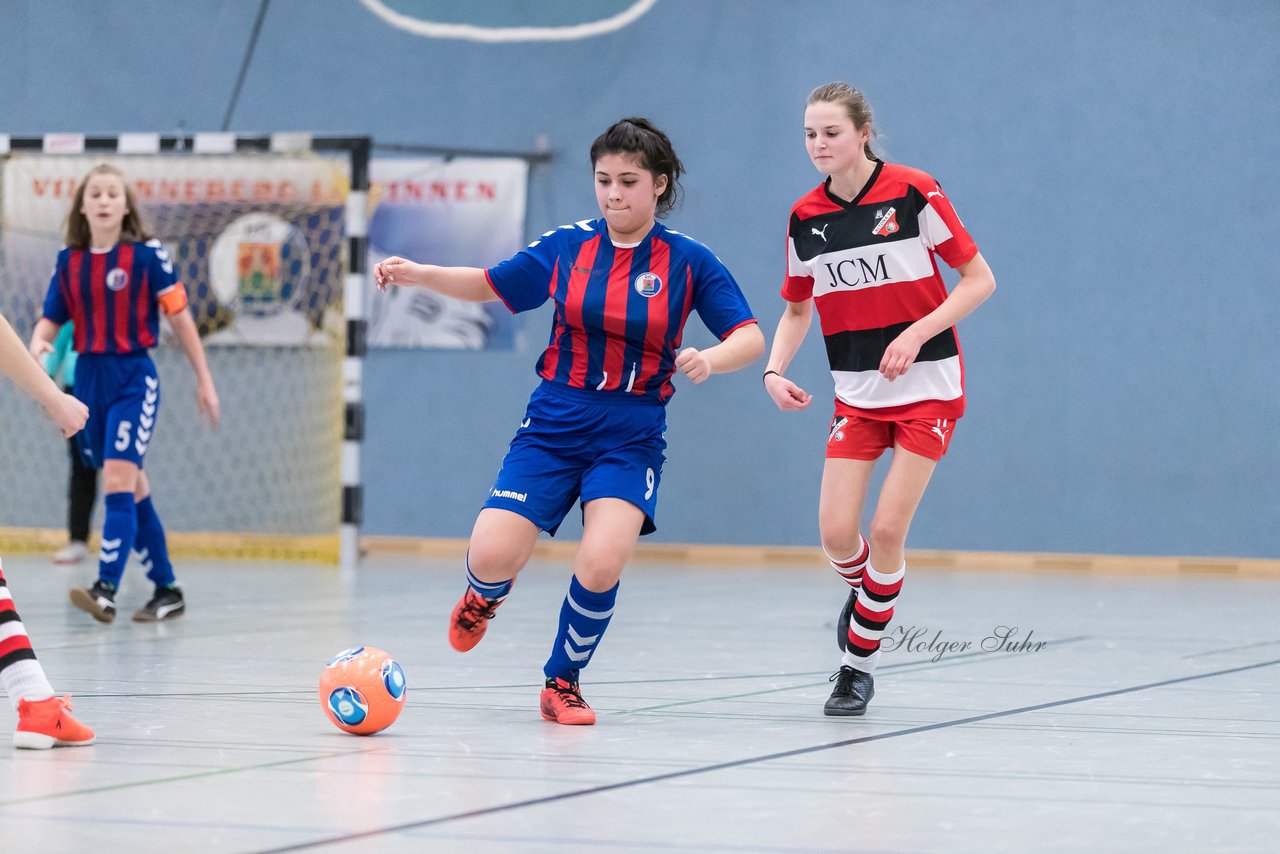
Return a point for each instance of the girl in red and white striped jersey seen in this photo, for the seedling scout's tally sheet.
(44, 720)
(861, 248)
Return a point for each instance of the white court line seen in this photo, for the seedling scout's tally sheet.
(473, 32)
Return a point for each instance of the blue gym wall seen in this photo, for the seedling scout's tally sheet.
(1116, 162)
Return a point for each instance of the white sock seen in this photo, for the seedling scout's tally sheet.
(25, 680)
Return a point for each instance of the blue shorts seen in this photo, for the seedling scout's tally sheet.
(572, 446)
(123, 396)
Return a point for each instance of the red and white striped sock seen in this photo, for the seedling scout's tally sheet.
(21, 673)
(871, 614)
(850, 569)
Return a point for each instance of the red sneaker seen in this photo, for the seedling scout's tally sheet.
(470, 618)
(48, 723)
(562, 702)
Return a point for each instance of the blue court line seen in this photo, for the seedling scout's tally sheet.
(738, 763)
(1231, 649)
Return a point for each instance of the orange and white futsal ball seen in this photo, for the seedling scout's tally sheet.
(362, 690)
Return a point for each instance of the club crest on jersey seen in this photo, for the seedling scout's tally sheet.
(886, 222)
(648, 285)
(118, 279)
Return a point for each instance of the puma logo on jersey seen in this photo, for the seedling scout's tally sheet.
(941, 429)
(886, 222)
(822, 233)
(937, 192)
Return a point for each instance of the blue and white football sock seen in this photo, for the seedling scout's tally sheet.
(583, 618)
(151, 546)
(118, 531)
(494, 591)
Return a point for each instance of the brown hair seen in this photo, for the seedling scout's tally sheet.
(131, 229)
(854, 103)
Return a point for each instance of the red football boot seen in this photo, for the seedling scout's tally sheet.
(562, 702)
(470, 618)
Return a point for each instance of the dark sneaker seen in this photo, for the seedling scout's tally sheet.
(470, 618)
(854, 689)
(562, 702)
(166, 604)
(99, 600)
(842, 624)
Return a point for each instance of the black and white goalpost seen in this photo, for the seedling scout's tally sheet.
(354, 226)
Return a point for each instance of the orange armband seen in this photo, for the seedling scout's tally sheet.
(174, 299)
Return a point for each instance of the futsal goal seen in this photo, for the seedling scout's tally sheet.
(268, 234)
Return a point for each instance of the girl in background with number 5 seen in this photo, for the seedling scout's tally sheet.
(114, 281)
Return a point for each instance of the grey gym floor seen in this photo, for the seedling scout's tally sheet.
(1149, 720)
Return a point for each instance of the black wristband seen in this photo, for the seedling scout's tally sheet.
(766, 373)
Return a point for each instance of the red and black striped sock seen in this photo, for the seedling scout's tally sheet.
(21, 673)
(871, 614)
(851, 569)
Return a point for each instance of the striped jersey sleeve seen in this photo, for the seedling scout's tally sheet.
(527, 280)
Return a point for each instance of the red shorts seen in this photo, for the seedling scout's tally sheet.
(855, 438)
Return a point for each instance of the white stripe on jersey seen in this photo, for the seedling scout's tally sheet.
(933, 229)
(795, 267)
(938, 380)
(868, 266)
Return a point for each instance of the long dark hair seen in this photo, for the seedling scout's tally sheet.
(641, 138)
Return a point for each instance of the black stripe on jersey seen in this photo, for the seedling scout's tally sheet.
(16, 656)
(863, 350)
(855, 227)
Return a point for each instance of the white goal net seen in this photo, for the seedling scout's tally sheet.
(259, 240)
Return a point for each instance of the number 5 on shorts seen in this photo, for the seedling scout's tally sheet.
(122, 435)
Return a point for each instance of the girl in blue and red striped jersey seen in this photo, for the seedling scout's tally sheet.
(114, 281)
(860, 249)
(44, 719)
(623, 287)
